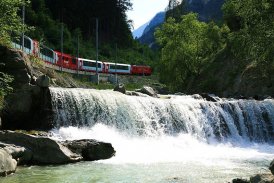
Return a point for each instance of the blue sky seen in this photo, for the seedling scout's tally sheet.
(144, 10)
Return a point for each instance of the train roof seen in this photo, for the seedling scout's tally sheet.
(140, 65)
(111, 63)
(88, 60)
(64, 54)
(41, 45)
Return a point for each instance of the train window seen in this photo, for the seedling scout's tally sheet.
(27, 43)
(119, 67)
(46, 51)
(91, 64)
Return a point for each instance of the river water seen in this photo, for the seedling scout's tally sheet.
(181, 139)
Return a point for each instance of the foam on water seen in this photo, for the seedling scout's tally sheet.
(224, 121)
(182, 148)
(181, 139)
(182, 129)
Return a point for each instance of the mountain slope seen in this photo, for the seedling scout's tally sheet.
(148, 34)
(139, 32)
(207, 10)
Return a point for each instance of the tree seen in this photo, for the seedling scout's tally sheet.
(174, 8)
(252, 22)
(187, 47)
(9, 19)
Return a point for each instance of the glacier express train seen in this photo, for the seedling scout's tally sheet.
(32, 47)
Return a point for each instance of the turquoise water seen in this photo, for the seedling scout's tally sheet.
(177, 140)
(165, 159)
(150, 173)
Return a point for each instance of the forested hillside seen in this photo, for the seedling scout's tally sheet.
(233, 57)
(44, 19)
(207, 10)
(79, 20)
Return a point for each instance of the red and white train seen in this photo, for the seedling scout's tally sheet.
(68, 61)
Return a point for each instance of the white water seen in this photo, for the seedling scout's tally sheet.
(180, 139)
(165, 158)
(182, 148)
(225, 121)
(175, 140)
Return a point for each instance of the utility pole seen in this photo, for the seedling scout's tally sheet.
(78, 54)
(97, 54)
(62, 43)
(143, 61)
(116, 78)
(23, 22)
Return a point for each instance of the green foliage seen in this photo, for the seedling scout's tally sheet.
(5, 88)
(5, 80)
(9, 19)
(79, 25)
(252, 22)
(187, 47)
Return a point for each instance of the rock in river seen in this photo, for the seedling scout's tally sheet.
(91, 149)
(44, 150)
(271, 168)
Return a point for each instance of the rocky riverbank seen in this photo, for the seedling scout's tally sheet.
(259, 178)
(22, 149)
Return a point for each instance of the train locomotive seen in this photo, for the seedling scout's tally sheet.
(63, 60)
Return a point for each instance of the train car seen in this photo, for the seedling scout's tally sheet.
(90, 65)
(48, 55)
(116, 68)
(141, 70)
(66, 61)
(31, 47)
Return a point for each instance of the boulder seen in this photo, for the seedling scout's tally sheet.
(91, 150)
(210, 97)
(134, 93)
(44, 150)
(8, 165)
(17, 65)
(271, 168)
(148, 90)
(28, 104)
(179, 94)
(240, 181)
(32, 106)
(197, 97)
(43, 81)
(262, 178)
(240, 97)
(120, 88)
(20, 154)
(160, 88)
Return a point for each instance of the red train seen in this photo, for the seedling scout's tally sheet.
(70, 62)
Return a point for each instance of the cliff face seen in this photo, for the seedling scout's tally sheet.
(28, 106)
(148, 34)
(226, 79)
(207, 9)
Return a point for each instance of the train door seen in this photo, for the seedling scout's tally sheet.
(106, 68)
(36, 48)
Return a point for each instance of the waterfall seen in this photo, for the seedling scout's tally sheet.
(227, 119)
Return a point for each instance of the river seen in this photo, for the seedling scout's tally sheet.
(181, 139)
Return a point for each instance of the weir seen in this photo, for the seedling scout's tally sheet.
(225, 120)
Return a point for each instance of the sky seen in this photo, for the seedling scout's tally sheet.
(145, 10)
